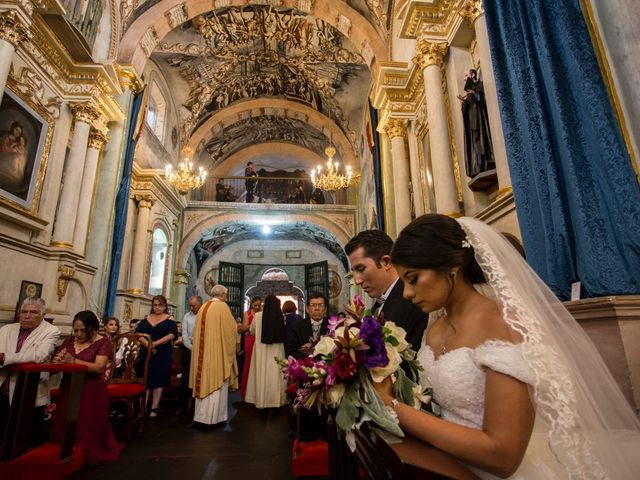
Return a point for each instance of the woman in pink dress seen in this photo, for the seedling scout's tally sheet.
(249, 340)
(93, 433)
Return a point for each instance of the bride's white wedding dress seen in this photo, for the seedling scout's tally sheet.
(584, 427)
(458, 378)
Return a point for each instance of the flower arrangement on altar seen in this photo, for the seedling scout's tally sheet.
(341, 366)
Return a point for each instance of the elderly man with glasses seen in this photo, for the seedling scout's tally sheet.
(30, 340)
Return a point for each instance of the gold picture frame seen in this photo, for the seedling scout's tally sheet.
(25, 142)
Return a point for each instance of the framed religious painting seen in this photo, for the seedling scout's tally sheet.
(28, 289)
(23, 134)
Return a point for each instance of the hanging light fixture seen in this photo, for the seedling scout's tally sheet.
(185, 178)
(332, 179)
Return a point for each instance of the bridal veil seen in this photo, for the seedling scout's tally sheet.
(590, 426)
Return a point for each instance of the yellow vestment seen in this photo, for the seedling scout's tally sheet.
(213, 357)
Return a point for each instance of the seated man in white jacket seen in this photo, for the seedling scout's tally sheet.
(32, 340)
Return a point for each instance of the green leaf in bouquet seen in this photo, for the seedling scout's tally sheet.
(403, 388)
(382, 416)
(349, 409)
(393, 341)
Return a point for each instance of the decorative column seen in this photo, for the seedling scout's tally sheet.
(97, 140)
(396, 130)
(13, 32)
(473, 10)
(84, 114)
(101, 225)
(430, 57)
(181, 280)
(414, 168)
(136, 277)
(386, 164)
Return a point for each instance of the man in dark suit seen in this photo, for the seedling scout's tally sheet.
(312, 327)
(312, 425)
(371, 266)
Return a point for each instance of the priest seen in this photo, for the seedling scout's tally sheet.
(213, 359)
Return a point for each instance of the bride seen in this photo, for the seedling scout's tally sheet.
(523, 391)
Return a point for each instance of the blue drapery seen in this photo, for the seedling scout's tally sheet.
(576, 193)
(377, 169)
(122, 205)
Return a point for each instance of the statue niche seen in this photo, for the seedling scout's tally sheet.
(478, 149)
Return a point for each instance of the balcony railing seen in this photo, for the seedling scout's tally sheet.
(262, 189)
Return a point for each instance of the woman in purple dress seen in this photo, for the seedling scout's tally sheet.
(93, 433)
(162, 330)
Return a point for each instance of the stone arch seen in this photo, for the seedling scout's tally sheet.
(279, 107)
(361, 33)
(192, 235)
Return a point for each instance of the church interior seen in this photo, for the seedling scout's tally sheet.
(162, 147)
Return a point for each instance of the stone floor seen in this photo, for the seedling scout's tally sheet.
(252, 445)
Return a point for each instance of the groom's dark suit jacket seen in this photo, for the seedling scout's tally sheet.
(301, 334)
(405, 314)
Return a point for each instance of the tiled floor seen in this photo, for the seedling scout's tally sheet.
(252, 445)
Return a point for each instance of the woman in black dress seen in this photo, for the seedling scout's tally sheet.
(163, 330)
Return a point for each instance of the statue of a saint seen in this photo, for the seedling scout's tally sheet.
(478, 150)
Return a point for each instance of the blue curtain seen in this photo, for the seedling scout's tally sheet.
(577, 197)
(377, 169)
(122, 204)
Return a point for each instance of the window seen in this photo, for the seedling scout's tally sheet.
(158, 261)
(156, 111)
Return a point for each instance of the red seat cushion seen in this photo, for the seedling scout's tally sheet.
(43, 463)
(312, 459)
(125, 389)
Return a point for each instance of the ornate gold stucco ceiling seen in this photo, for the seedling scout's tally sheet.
(265, 51)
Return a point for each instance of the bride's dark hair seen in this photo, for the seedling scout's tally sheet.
(436, 242)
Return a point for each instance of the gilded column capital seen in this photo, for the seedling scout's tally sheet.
(430, 53)
(145, 200)
(84, 112)
(129, 78)
(13, 29)
(471, 9)
(396, 127)
(182, 277)
(97, 139)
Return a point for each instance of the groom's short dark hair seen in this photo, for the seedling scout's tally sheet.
(375, 243)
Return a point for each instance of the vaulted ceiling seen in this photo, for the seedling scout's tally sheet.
(265, 52)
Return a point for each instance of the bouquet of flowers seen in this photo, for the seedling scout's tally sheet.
(340, 368)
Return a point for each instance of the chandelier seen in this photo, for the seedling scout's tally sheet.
(185, 178)
(331, 180)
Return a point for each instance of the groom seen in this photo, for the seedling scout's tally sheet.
(371, 267)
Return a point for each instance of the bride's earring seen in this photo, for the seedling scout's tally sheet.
(453, 274)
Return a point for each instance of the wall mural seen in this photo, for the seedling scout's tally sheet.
(226, 234)
(254, 51)
(262, 129)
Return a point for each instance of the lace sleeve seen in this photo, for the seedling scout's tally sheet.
(506, 358)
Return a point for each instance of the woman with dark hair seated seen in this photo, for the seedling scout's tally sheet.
(93, 434)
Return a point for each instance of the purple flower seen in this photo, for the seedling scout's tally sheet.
(334, 322)
(295, 370)
(371, 334)
(330, 380)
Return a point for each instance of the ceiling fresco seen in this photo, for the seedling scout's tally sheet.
(262, 129)
(377, 12)
(224, 235)
(241, 53)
